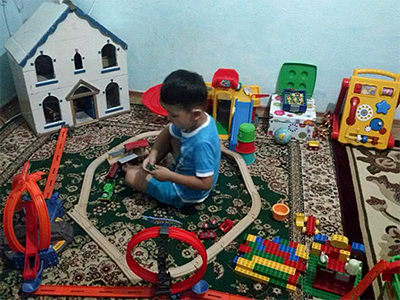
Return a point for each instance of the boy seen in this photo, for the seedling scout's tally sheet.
(192, 137)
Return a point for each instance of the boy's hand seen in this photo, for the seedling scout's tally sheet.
(161, 173)
(149, 160)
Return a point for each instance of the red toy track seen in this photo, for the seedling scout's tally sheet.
(174, 233)
(26, 183)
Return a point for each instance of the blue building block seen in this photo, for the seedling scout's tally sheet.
(320, 238)
(357, 247)
(277, 239)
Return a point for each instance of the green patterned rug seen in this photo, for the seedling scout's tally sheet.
(281, 173)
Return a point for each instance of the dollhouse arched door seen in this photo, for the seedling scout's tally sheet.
(83, 103)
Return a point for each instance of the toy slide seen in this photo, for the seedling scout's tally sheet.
(242, 114)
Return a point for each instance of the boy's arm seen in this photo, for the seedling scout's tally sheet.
(193, 182)
(160, 147)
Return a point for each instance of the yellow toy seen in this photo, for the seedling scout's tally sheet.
(369, 107)
(225, 93)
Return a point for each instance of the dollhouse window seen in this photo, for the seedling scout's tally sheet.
(51, 109)
(78, 61)
(108, 55)
(112, 95)
(44, 68)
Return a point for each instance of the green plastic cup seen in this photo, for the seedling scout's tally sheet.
(246, 133)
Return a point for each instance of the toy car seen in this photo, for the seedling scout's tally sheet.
(310, 228)
(313, 145)
(207, 235)
(226, 226)
(108, 191)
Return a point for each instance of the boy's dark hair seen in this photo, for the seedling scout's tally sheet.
(184, 88)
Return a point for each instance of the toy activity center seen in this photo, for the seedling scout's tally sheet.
(70, 71)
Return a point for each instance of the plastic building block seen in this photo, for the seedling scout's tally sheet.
(315, 248)
(251, 238)
(320, 238)
(357, 247)
(344, 255)
(339, 241)
(300, 220)
(276, 260)
(329, 287)
(310, 229)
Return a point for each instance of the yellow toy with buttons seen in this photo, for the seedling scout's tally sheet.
(369, 107)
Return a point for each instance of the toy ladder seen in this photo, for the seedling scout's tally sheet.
(51, 179)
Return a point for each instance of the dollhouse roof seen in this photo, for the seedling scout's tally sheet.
(23, 44)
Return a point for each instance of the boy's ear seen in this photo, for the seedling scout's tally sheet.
(196, 113)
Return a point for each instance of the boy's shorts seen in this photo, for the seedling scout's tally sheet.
(164, 192)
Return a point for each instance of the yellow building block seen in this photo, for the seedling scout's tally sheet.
(339, 241)
(245, 263)
(251, 275)
(274, 265)
(304, 255)
(251, 238)
(290, 288)
(300, 219)
(344, 255)
(316, 248)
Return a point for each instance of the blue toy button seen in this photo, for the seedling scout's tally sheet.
(364, 139)
(376, 124)
(382, 107)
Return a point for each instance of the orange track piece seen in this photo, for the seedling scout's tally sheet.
(29, 185)
(356, 292)
(51, 179)
(125, 292)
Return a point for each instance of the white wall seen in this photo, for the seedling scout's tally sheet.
(255, 37)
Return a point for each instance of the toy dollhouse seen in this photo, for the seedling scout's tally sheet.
(67, 68)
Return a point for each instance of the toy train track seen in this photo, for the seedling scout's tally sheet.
(79, 214)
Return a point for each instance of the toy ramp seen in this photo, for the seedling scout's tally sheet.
(242, 114)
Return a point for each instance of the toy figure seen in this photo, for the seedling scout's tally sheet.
(192, 137)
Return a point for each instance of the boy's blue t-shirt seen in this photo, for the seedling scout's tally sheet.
(200, 155)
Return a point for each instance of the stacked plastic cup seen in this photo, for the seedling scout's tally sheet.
(245, 145)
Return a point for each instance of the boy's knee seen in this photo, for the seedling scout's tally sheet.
(137, 179)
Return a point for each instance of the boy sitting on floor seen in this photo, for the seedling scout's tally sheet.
(192, 137)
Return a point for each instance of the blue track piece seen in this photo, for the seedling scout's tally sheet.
(29, 286)
(55, 207)
(156, 220)
(243, 113)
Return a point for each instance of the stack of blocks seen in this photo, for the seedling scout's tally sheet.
(279, 262)
(329, 279)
